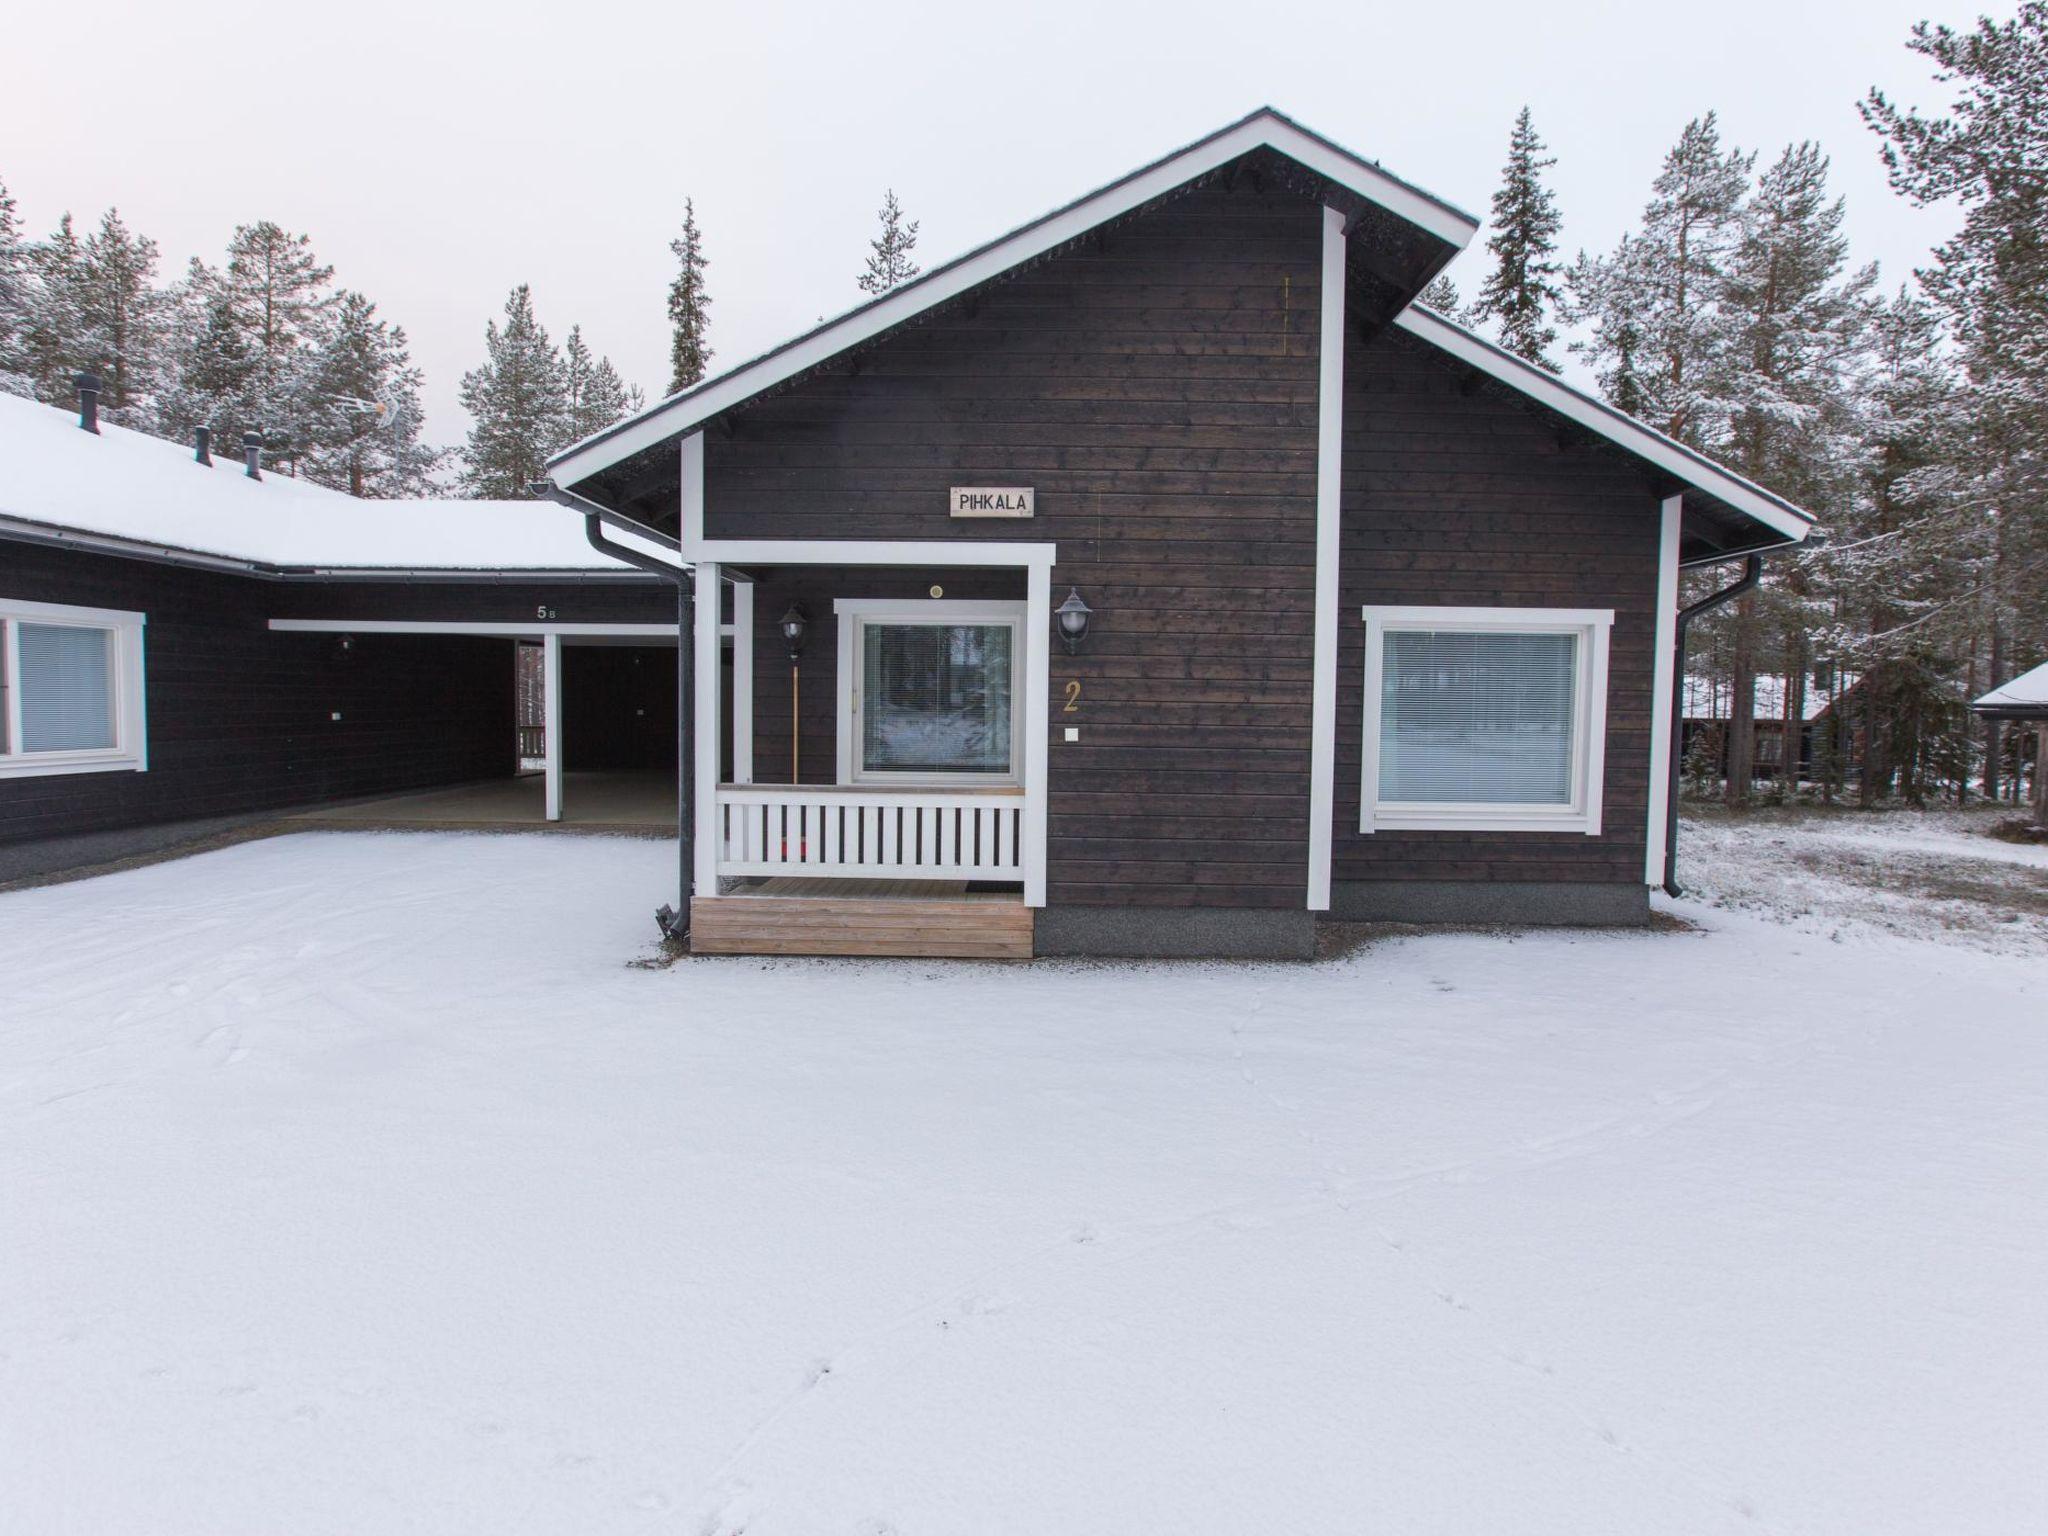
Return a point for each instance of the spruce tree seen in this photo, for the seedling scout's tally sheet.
(889, 260)
(593, 394)
(56, 345)
(518, 405)
(120, 316)
(210, 367)
(1522, 289)
(689, 354)
(365, 420)
(14, 300)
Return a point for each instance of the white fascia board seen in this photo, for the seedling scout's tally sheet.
(1597, 416)
(1264, 129)
(514, 630)
(966, 552)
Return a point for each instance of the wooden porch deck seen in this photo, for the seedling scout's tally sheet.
(913, 919)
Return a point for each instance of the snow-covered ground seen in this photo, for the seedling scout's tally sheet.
(1936, 875)
(357, 1183)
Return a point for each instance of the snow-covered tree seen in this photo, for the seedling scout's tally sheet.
(889, 260)
(518, 405)
(1522, 290)
(1986, 154)
(56, 345)
(689, 353)
(14, 300)
(593, 394)
(364, 417)
(1654, 305)
(281, 298)
(120, 315)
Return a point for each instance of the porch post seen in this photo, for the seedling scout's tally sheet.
(704, 729)
(551, 721)
(742, 680)
(1663, 663)
(1037, 713)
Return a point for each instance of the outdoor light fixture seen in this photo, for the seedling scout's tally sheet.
(794, 623)
(1073, 617)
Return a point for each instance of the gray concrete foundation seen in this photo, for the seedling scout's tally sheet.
(1175, 933)
(1547, 903)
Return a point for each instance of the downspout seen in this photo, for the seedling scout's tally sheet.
(1752, 573)
(674, 921)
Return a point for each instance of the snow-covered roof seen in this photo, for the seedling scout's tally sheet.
(2025, 697)
(1712, 698)
(1263, 129)
(140, 490)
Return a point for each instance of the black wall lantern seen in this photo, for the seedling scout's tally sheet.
(794, 622)
(1073, 620)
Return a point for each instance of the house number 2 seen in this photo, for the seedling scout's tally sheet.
(1073, 704)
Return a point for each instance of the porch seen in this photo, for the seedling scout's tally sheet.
(869, 758)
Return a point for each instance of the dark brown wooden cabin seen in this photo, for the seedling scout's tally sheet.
(1380, 619)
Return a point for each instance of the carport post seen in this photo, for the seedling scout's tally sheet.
(551, 720)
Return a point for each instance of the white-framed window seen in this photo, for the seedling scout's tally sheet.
(1484, 719)
(930, 691)
(70, 690)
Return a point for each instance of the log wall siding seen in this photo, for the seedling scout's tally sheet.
(1158, 389)
(238, 714)
(1468, 498)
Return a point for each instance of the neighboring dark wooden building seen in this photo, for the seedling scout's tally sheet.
(1382, 619)
(182, 642)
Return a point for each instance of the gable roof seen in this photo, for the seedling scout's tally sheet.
(1263, 129)
(140, 495)
(1597, 416)
(2024, 698)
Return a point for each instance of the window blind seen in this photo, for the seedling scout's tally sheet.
(1477, 718)
(67, 694)
(935, 698)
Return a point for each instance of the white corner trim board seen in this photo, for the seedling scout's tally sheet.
(1664, 662)
(122, 690)
(1580, 811)
(1322, 775)
(1262, 129)
(1702, 473)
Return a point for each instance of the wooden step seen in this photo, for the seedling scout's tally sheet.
(967, 927)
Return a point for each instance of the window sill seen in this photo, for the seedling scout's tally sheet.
(1384, 819)
(39, 765)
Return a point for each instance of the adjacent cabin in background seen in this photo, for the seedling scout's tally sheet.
(186, 641)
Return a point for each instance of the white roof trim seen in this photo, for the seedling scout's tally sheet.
(1598, 416)
(2027, 691)
(1263, 129)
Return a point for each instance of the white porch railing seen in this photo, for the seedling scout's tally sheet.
(900, 834)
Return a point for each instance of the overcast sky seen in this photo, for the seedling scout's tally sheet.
(440, 153)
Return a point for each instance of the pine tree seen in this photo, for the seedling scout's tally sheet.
(689, 355)
(280, 298)
(14, 300)
(518, 405)
(889, 260)
(209, 366)
(1522, 289)
(365, 420)
(593, 394)
(1442, 296)
(1654, 304)
(1991, 282)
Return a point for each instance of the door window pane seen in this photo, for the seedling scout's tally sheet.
(1477, 719)
(67, 695)
(935, 698)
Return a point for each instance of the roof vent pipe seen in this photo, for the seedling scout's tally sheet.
(252, 454)
(202, 445)
(88, 385)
